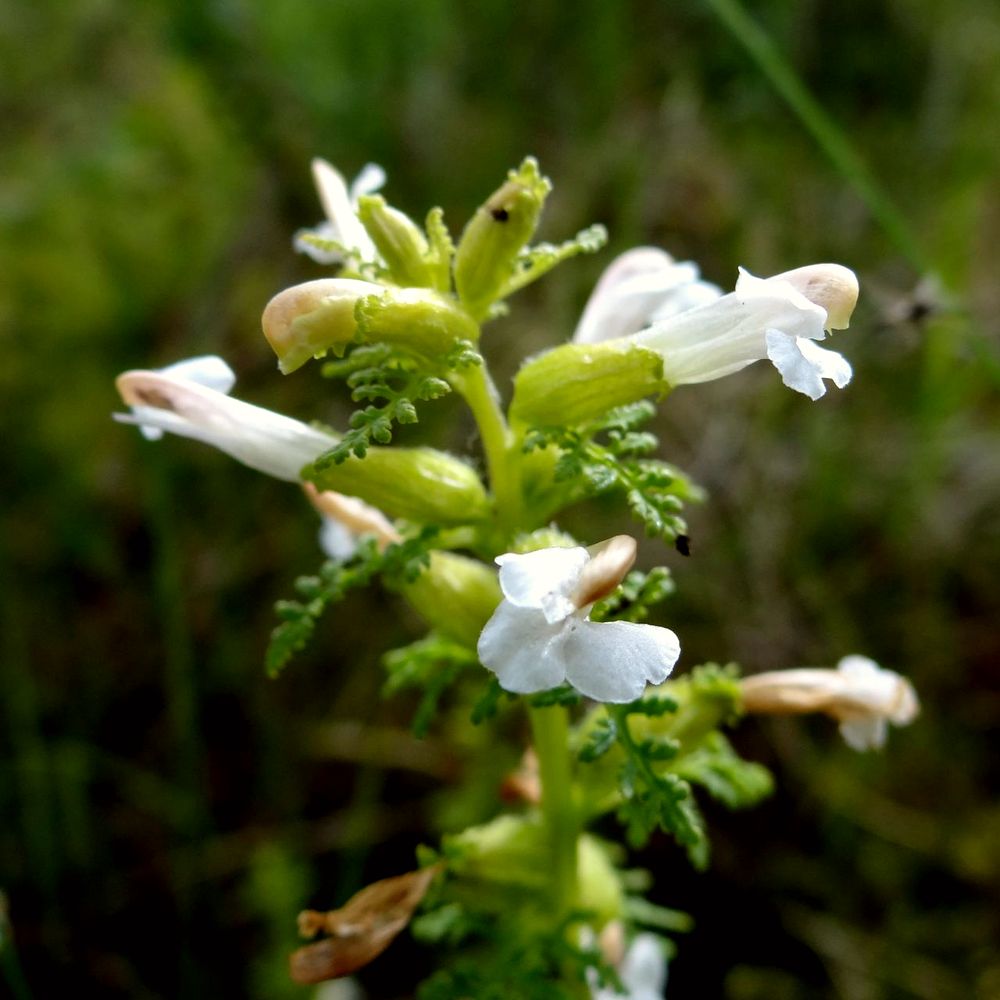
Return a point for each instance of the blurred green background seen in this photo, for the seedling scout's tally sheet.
(166, 810)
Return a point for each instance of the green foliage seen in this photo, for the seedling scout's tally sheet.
(442, 248)
(488, 703)
(600, 740)
(396, 381)
(635, 596)
(643, 912)
(652, 799)
(449, 924)
(562, 695)
(666, 742)
(334, 580)
(521, 963)
(655, 491)
(431, 664)
(298, 618)
(717, 768)
(537, 260)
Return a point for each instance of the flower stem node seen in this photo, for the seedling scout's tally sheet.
(541, 636)
(495, 237)
(577, 383)
(307, 320)
(399, 241)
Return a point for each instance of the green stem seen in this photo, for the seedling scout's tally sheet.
(550, 729)
(550, 725)
(500, 445)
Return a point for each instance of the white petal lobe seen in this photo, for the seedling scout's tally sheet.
(614, 661)
(522, 649)
(803, 365)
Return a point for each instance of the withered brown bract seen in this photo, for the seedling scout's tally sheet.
(361, 929)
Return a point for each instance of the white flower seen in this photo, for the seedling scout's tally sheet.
(777, 318)
(641, 286)
(541, 636)
(191, 399)
(340, 204)
(862, 696)
(643, 972)
(180, 399)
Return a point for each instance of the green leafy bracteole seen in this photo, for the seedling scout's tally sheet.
(432, 665)
(643, 758)
(610, 455)
(392, 382)
(403, 562)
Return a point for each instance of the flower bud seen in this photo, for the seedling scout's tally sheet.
(414, 318)
(496, 234)
(306, 320)
(401, 244)
(575, 383)
(418, 484)
(455, 595)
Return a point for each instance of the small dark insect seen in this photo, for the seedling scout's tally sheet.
(683, 545)
(500, 214)
(927, 301)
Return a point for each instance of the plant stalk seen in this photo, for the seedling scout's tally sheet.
(550, 731)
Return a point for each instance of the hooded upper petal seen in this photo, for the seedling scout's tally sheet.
(207, 370)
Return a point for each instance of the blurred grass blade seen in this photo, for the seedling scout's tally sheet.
(828, 135)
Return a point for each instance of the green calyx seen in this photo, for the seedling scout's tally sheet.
(418, 484)
(576, 383)
(455, 595)
(416, 319)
